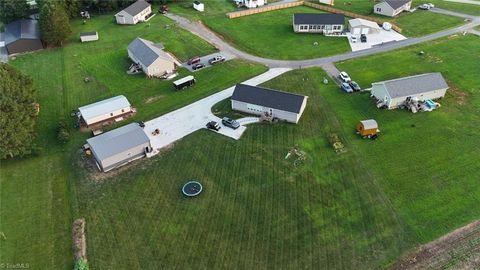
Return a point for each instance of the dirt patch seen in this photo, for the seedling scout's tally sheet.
(153, 99)
(79, 240)
(460, 96)
(459, 249)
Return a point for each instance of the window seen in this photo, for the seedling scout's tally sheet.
(310, 27)
(379, 9)
(123, 110)
(337, 27)
(111, 114)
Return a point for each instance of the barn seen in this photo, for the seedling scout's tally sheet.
(153, 60)
(112, 109)
(119, 146)
(88, 36)
(393, 93)
(22, 36)
(361, 26)
(261, 101)
(139, 11)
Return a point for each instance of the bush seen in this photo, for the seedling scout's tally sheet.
(63, 134)
(81, 264)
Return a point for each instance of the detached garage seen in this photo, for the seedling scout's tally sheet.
(361, 26)
(261, 101)
(22, 36)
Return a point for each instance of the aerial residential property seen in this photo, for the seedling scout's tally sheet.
(240, 134)
(392, 8)
(327, 24)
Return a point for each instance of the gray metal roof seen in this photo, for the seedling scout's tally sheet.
(21, 29)
(118, 140)
(103, 107)
(269, 98)
(369, 124)
(417, 84)
(397, 3)
(146, 52)
(137, 7)
(318, 18)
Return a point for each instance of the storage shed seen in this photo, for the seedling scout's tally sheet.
(361, 26)
(137, 12)
(367, 128)
(261, 101)
(119, 146)
(88, 36)
(112, 109)
(394, 93)
(198, 6)
(22, 36)
(392, 8)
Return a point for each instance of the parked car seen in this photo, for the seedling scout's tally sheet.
(216, 59)
(363, 38)
(355, 86)
(353, 39)
(346, 87)
(198, 66)
(344, 77)
(425, 7)
(229, 122)
(431, 5)
(213, 125)
(194, 60)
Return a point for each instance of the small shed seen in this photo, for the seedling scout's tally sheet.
(88, 36)
(198, 6)
(367, 128)
(112, 109)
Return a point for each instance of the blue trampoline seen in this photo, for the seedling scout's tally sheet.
(192, 189)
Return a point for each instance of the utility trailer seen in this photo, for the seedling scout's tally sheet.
(184, 82)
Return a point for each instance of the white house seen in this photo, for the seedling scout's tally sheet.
(112, 109)
(323, 23)
(119, 146)
(153, 60)
(137, 12)
(361, 26)
(393, 93)
(261, 101)
(392, 8)
(88, 36)
(198, 6)
(250, 3)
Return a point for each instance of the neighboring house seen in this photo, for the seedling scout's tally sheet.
(198, 6)
(392, 8)
(393, 93)
(250, 3)
(22, 36)
(263, 101)
(88, 36)
(119, 146)
(137, 12)
(361, 26)
(327, 2)
(327, 24)
(152, 59)
(112, 109)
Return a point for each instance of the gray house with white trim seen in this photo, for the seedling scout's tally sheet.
(393, 93)
(392, 8)
(153, 60)
(119, 146)
(321, 23)
(136, 12)
(260, 101)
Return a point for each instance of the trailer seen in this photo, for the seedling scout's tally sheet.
(198, 6)
(184, 82)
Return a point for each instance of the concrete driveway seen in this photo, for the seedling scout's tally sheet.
(204, 60)
(177, 124)
(373, 40)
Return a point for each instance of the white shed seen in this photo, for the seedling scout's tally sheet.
(393, 93)
(88, 36)
(115, 108)
(361, 26)
(198, 6)
(137, 12)
(392, 8)
(261, 101)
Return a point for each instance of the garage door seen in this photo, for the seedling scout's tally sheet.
(365, 30)
(357, 31)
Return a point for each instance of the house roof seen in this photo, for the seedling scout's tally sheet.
(103, 107)
(85, 34)
(118, 140)
(362, 22)
(269, 98)
(416, 84)
(369, 124)
(146, 52)
(136, 7)
(395, 4)
(21, 29)
(318, 18)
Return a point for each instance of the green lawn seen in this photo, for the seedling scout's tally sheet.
(37, 199)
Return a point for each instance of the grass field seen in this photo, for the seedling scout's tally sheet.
(36, 196)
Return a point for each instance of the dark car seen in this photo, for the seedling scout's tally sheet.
(346, 87)
(198, 66)
(363, 38)
(213, 125)
(229, 122)
(216, 59)
(355, 86)
(194, 60)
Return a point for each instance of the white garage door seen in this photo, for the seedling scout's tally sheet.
(357, 31)
(365, 31)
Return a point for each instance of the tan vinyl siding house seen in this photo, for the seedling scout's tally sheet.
(136, 12)
(152, 59)
(392, 8)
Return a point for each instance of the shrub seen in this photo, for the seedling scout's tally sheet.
(63, 134)
(81, 264)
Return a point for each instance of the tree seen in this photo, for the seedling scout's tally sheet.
(12, 10)
(54, 23)
(72, 7)
(17, 113)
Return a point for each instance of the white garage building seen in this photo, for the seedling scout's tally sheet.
(361, 26)
(261, 101)
(393, 93)
(112, 109)
(139, 11)
(119, 146)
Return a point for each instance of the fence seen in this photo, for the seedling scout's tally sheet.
(267, 8)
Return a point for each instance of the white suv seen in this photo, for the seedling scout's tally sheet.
(344, 76)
